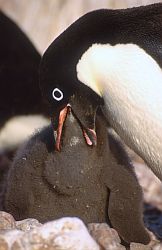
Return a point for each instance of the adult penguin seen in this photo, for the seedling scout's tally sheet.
(19, 61)
(113, 57)
(19, 84)
(20, 98)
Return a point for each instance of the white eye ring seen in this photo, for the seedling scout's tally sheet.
(58, 91)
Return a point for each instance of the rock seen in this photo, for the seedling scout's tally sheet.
(27, 224)
(157, 247)
(154, 243)
(106, 237)
(151, 185)
(138, 246)
(3, 244)
(9, 239)
(7, 221)
(64, 234)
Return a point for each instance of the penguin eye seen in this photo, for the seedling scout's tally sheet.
(57, 94)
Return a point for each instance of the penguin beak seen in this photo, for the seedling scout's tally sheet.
(58, 132)
(89, 134)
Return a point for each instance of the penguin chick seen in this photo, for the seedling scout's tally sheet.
(126, 82)
(47, 184)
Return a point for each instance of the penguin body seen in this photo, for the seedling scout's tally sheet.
(130, 84)
(20, 94)
(96, 184)
(19, 62)
(139, 29)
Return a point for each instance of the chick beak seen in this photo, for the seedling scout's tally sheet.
(58, 132)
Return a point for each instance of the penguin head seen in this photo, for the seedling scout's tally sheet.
(62, 90)
(59, 80)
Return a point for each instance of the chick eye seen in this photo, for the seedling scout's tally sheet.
(57, 94)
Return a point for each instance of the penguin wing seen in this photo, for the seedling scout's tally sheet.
(125, 207)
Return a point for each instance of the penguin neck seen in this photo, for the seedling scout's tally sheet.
(130, 82)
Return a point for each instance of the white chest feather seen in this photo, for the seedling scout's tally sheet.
(130, 82)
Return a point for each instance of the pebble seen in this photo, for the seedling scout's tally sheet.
(106, 237)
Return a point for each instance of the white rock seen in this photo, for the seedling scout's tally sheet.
(7, 221)
(62, 234)
(27, 224)
(138, 246)
(10, 239)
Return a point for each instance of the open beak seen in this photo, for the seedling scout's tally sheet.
(89, 134)
(58, 132)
